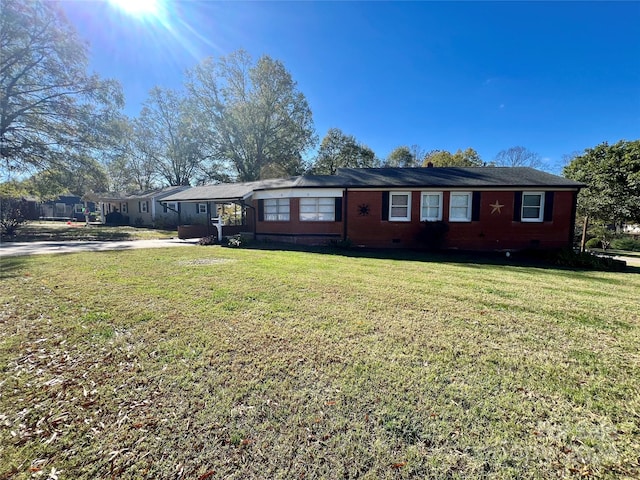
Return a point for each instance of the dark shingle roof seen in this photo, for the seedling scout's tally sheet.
(436, 177)
(229, 191)
(452, 177)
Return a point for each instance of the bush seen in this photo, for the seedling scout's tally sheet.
(433, 234)
(12, 215)
(239, 240)
(593, 243)
(209, 240)
(586, 260)
(116, 219)
(626, 243)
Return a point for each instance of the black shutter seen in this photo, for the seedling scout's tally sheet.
(179, 206)
(164, 208)
(139, 207)
(261, 210)
(517, 206)
(385, 205)
(475, 207)
(338, 210)
(548, 206)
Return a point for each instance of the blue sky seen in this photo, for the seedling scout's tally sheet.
(553, 77)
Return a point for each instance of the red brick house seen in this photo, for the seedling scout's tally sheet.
(480, 208)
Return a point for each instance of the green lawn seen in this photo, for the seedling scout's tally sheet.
(213, 363)
(61, 231)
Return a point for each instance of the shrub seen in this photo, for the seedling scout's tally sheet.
(586, 260)
(433, 234)
(239, 240)
(116, 219)
(209, 240)
(626, 243)
(12, 215)
(593, 243)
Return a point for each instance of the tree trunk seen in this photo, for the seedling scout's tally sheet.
(583, 241)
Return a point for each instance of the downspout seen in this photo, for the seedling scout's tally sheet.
(345, 209)
(168, 208)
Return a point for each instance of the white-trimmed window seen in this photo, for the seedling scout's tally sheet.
(532, 207)
(171, 207)
(400, 206)
(123, 207)
(431, 206)
(201, 208)
(460, 206)
(317, 209)
(78, 208)
(276, 210)
(143, 207)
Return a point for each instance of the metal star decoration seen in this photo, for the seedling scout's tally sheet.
(496, 207)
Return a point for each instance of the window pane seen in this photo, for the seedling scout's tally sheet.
(459, 212)
(317, 209)
(399, 200)
(530, 212)
(276, 209)
(399, 211)
(531, 200)
(459, 200)
(460, 207)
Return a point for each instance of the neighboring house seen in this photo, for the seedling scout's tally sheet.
(141, 209)
(65, 207)
(480, 208)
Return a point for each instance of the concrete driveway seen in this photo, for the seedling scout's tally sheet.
(12, 249)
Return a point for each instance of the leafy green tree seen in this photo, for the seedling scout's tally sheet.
(518, 157)
(52, 182)
(338, 150)
(443, 158)
(253, 117)
(405, 157)
(612, 177)
(52, 113)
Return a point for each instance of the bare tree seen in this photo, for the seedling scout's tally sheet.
(165, 136)
(518, 157)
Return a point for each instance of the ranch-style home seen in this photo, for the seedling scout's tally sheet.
(478, 208)
(139, 209)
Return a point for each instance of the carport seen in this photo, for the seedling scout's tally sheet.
(222, 209)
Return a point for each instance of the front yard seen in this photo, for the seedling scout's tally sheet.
(67, 231)
(207, 363)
